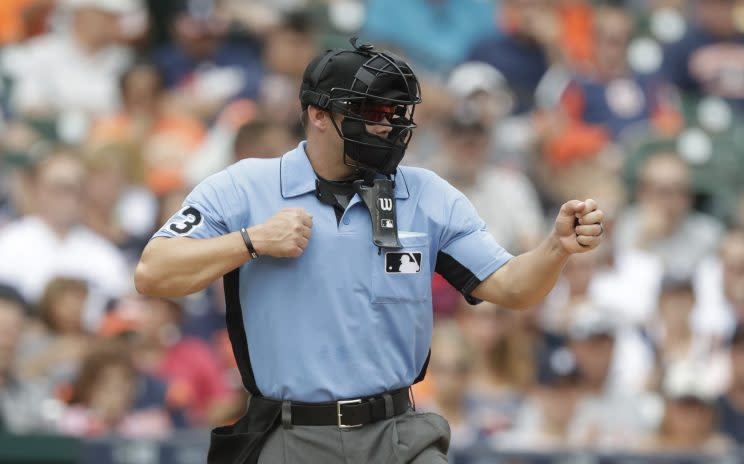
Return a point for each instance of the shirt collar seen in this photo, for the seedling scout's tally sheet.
(297, 176)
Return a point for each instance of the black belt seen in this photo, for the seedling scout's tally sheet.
(346, 413)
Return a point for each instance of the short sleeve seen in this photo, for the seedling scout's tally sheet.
(205, 210)
(468, 253)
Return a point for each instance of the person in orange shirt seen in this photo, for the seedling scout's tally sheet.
(21, 19)
(609, 98)
(165, 139)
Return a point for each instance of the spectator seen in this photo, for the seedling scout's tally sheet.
(569, 300)
(291, 41)
(74, 72)
(52, 242)
(707, 59)
(164, 138)
(203, 66)
(502, 369)
(522, 52)
(435, 35)
(20, 401)
(730, 407)
(482, 91)
(688, 424)
(451, 367)
(14, 187)
(675, 337)
(610, 94)
(676, 343)
(115, 206)
(719, 287)
(504, 197)
(289, 45)
(606, 417)
(54, 351)
(623, 284)
(545, 417)
(121, 325)
(195, 380)
(103, 399)
(261, 139)
(288, 42)
(663, 221)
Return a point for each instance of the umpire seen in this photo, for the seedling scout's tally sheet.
(327, 255)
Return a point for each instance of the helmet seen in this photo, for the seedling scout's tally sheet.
(366, 87)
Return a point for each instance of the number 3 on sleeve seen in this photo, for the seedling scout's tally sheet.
(192, 219)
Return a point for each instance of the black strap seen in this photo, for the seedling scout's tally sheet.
(365, 412)
(320, 67)
(236, 330)
(422, 373)
(311, 96)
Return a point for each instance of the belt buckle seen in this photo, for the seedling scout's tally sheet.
(339, 415)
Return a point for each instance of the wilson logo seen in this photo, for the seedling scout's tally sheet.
(386, 204)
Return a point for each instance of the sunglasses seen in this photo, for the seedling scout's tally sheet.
(377, 112)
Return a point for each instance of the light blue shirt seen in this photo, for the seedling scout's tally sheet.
(335, 323)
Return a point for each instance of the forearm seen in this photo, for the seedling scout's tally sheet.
(179, 266)
(526, 279)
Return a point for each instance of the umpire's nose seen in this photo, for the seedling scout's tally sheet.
(379, 130)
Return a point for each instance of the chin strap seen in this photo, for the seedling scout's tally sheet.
(379, 196)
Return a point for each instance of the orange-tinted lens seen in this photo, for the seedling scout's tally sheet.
(377, 112)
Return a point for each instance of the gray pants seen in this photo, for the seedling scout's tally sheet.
(411, 438)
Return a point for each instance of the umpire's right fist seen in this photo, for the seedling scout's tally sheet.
(284, 235)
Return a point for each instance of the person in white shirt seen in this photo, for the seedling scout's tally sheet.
(719, 289)
(74, 72)
(610, 413)
(664, 223)
(504, 197)
(52, 242)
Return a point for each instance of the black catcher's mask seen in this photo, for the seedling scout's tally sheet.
(366, 87)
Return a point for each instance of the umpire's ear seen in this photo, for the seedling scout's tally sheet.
(319, 119)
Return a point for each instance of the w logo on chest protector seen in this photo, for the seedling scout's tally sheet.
(386, 204)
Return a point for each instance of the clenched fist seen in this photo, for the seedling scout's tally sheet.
(284, 235)
(579, 226)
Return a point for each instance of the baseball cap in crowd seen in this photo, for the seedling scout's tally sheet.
(684, 381)
(592, 324)
(475, 76)
(109, 6)
(469, 80)
(12, 295)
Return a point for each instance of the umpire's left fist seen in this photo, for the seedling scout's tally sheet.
(578, 226)
(284, 235)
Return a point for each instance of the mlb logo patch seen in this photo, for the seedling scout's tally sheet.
(402, 262)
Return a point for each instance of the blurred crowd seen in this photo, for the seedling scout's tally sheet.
(112, 110)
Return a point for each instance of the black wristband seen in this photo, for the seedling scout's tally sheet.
(248, 243)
